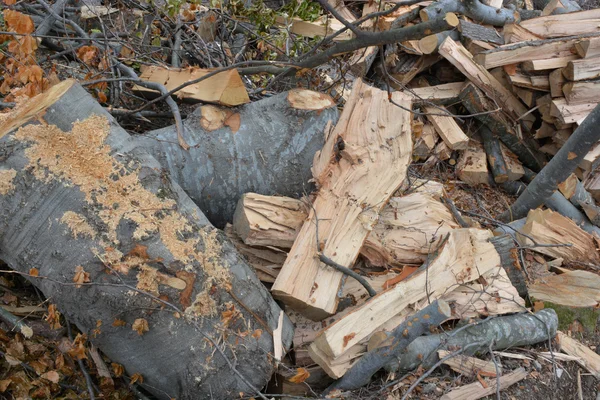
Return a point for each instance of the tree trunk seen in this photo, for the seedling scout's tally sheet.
(266, 147)
(126, 254)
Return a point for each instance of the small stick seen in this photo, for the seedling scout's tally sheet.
(347, 271)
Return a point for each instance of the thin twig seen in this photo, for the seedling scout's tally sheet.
(347, 271)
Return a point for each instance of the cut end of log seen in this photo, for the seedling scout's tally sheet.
(303, 99)
(444, 308)
(451, 19)
(34, 107)
(428, 44)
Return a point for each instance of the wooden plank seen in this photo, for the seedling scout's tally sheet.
(476, 390)
(472, 166)
(568, 24)
(556, 80)
(570, 113)
(548, 63)
(463, 60)
(526, 51)
(589, 359)
(587, 68)
(447, 128)
(514, 33)
(588, 48)
(581, 92)
(465, 255)
(355, 183)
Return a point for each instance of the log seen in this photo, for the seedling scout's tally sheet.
(479, 76)
(592, 185)
(502, 333)
(549, 227)
(548, 63)
(477, 103)
(589, 359)
(84, 197)
(533, 82)
(425, 143)
(469, 366)
(476, 390)
(473, 9)
(588, 48)
(447, 128)
(575, 289)
(439, 94)
(355, 179)
(568, 24)
(527, 96)
(514, 33)
(407, 66)
(570, 113)
(559, 168)
(430, 44)
(495, 157)
(472, 166)
(245, 150)
(456, 263)
(526, 51)
(581, 92)
(577, 70)
(393, 344)
(556, 80)
(469, 30)
(507, 250)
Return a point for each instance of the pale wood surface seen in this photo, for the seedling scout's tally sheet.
(581, 92)
(476, 390)
(572, 289)
(447, 128)
(548, 63)
(588, 48)
(589, 359)
(570, 113)
(556, 80)
(567, 24)
(436, 94)
(469, 366)
(514, 33)
(472, 166)
(587, 68)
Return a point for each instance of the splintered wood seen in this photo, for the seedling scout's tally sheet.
(364, 161)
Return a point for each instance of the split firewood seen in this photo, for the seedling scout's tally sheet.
(72, 167)
(505, 246)
(494, 153)
(477, 32)
(588, 48)
(590, 360)
(447, 128)
(533, 82)
(514, 33)
(215, 176)
(548, 63)
(431, 43)
(581, 92)
(572, 289)
(425, 143)
(592, 185)
(570, 113)
(476, 390)
(472, 166)
(578, 70)
(556, 79)
(469, 366)
(362, 60)
(568, 24)
(354, 179)
(322, 27)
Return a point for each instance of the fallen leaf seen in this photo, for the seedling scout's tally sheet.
(136, 378)
(257, 334)
(117, 369)
(571, 156)
(118, 323)
(140, 325)
(80, 277)
(34, 272)
(52, 376)
(4, 385)
(301, 375)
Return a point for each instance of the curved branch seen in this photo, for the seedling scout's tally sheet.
(473, 9)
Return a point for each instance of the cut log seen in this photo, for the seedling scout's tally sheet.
(587, 68)
(479, 32)
(581, 92)
(475, 10)
(430, 44)
(505, 246)
(592, 184)
(549, 227)
(476, 390)
(494, 155)
(527, 51)
(591, 159)
(556, 80)
(561, 25)
(353, 172)
(97, 202)
(407, 66)
(447, 128)
(588, 48)
(225, 88)
(477, 46)
(442, 152)
(465, 255)
(469, 366)
(425, 143)
(514, 167)
(575, 289)
(362, 60)
(532, 82)
(590, 360)
(548, 63)
(440, 94)
(245, 150)
(570, 113)
(321, 27)
(514, 33)
(472, 166)
(269, 220)
(463, 60)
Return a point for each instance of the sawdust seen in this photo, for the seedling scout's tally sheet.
(6, 181)
(148, 279)
(78, 224)
(82, 158)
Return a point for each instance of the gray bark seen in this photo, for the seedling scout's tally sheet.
(493, 151)
(176, 356)
(501, 333)
(473, 31)
(505, 246)
(271, 153)
(473, 9)
(559, 168)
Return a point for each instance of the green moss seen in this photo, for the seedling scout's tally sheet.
(587, 316)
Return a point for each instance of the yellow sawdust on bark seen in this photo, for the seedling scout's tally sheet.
(78, 224)
(203, 304)
(6, 181)
(148, 279)
(81, 157)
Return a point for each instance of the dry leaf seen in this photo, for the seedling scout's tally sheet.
(34, 272)
(53, 317)
(117, 369)
(52, 376)
(78, 350)
(257, 334)
(4, 385)
(102, 97)
(118, 323)
(80, 277)
(301, 375)
(136, 378)
(18, 22)
(140, 325)
(571, 156)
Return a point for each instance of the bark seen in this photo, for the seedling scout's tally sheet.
(266, 147)
(473, 9)
(92, 201)
(46, 25)
(501, 333)
(414, 326)
(505, 246)
(559, 168)
(477, 103)
(478, 32)
(494, 155)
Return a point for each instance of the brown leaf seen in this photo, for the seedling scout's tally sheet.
(571, 156)
(34, 272)
(135, 378)
(80, 277)
(257, 334)
(301, 375)
(9, 2)
(118, 323)
(4, 385)
(52, 376)
(18, 22)
(78, 350)
(102, 97)
(53, 317)
(117, 369)
(186, 294)
(140, 325)
(140, 251)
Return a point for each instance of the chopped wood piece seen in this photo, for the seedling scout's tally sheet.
(546, 130)
(477, 46)
(447, 128)
(469, 366)
(588, 48)
(556, 80)
(269, 220)
(476, 390)
(472, 166)
(90, 11)
(548, 63)
(442, 151)
(587, 68)
(430, 44)
(407, 66)
(569, 186)
(511, 264)
(527, 96)
(592, 184)
(463, 60)
(570, 113)
(551, 7)
(362, 60)
(465, 255)
(323, 27)
(590, 360)
(527, 51)
(572, 289)
(567, 24)
(479, 33)
(514, 33)
(581, 92)
(534, 82)
(491, 144)
(225, 88)
(514, 167)
(425, 144)
(549, 227)
(356, 176)
(440, 94)
(590, 160)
